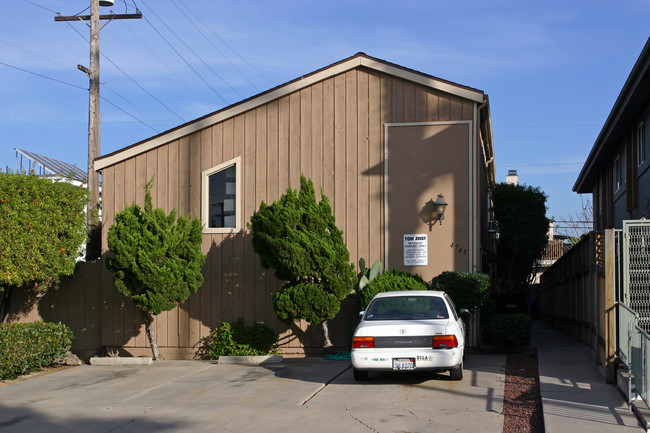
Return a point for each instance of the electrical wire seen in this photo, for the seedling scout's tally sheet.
(42, 7)
(187, 86)
(82, 88)
(44, 76)
(179, 54)
(129, 77)
(225, 43)
(213, 45)
(130, 115)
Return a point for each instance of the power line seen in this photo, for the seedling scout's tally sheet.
(541, 165)
(176, 51)
(130, 78)
(226, 44)
(214, 46)
(130, 115)
(42, 7)
(164, 64)
(43, 76)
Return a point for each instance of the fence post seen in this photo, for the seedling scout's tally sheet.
(610, 309)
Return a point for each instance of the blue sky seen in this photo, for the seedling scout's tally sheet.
(552, 69)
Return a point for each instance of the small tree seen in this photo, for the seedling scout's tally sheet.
(298, 237)
(157, 259)
(520, 212)
(42, 229)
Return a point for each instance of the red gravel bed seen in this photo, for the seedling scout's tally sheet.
(522, 402)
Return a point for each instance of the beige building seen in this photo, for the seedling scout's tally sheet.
(378, 139)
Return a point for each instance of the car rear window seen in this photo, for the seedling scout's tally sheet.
(407, 307)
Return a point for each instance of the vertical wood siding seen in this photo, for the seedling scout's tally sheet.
(333, 133)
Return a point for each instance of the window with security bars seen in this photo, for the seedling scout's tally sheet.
(637, 268)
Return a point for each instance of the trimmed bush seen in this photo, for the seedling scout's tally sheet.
(509, 331)
(26, 347)
(238, 339)
(390, 282)
(467, 290)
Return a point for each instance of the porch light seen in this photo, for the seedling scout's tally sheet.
(433, 211)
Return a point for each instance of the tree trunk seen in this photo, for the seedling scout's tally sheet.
(326, 334)
(6, 296)
(148, 324)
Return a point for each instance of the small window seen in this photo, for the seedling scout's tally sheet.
(221, 198)
(618, 173)
(640, 143)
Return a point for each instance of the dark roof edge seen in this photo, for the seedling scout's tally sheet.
(639, 70)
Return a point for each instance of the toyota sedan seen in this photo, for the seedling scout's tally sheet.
(409, 330)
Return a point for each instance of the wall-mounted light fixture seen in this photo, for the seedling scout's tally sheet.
(433, 211)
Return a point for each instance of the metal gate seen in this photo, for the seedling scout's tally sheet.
(636, 269)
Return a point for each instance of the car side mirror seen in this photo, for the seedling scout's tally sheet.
(361, 313)
(464, 313)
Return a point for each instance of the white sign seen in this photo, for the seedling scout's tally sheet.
(415, 250)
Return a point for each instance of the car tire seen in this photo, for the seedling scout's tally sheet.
(456, 373)
(360, 375)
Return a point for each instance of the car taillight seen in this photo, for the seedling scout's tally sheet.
(444, 341)
(363, 343)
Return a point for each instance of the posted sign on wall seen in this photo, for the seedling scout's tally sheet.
(416, 250)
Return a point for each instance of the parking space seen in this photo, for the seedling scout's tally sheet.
(297, 395)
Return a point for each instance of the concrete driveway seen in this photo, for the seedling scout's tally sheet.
(298, 395)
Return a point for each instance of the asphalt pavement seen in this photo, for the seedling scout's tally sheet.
(314, 395)
(297, 395)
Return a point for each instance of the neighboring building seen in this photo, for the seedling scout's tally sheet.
(512, 178)
(616, 171)
(380, 140)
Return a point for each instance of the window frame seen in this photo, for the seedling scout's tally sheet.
(640, 144)
(618, 173)
(205, 197)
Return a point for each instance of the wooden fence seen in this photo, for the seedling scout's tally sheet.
(577, 295)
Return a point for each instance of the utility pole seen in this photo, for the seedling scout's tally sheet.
(93, 247)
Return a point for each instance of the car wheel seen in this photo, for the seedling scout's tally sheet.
(457, 372)
(360, 375)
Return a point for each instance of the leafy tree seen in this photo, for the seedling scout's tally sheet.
(42, 229)
(157, 259)
(520, 212)
(297, 236)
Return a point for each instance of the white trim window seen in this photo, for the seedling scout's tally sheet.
(640, 143)
(618, 173)
(221, 198)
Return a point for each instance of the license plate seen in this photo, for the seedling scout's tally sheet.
(403, 364)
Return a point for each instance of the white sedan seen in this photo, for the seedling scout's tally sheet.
(409, 330)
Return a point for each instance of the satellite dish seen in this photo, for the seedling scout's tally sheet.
(106, 2)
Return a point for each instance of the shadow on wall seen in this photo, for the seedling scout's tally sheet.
(237, 286)
(75, 303)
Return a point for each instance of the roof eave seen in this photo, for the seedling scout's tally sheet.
(343, 66)
(633, 91)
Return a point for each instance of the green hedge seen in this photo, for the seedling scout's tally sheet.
(390, 282)
(467, 290)
(26, 347)
(509, 331)
(239, 339)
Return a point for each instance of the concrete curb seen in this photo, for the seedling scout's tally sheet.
(117, 360)
(250, 360)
